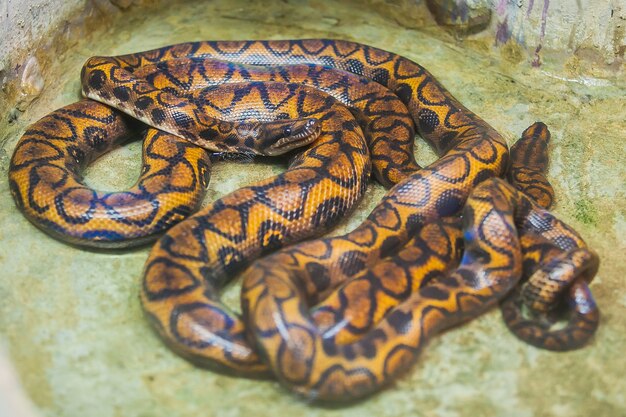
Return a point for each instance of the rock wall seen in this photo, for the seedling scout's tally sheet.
(587, 29)
(24, 22)
(583, 37)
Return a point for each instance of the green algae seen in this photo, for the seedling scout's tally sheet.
(585, 212)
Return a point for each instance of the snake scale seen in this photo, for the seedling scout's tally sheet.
(340, 110)
(45, 179)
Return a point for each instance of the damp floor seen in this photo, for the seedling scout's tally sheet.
(71, 322)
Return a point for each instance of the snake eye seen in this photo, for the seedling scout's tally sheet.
(77, 154)
(287, 131)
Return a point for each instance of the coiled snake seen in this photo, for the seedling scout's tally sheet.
(321, 354)
(45, 180)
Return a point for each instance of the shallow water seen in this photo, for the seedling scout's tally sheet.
(71, 319)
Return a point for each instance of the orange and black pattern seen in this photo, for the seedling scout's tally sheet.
(45, 180)
(188, 266)
(439, 117)
(555, 276)
(279, 290)
(187, 311)
(107, 80)
(529, 161)
(47, 185)
(355, 307)
(385, 120)
(555, 289)
(192, 261)
(372, 290)
(335, 318)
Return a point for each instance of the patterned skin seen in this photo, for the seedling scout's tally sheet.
(556, 289)
(83, 216)
(332, 353)
(279, 290)
(47, 186)
(556, 279)
(388, 129)
(106, 80)
(373, 327)
(529, 161)
(372, 290)
(385, 120)
(355, 307)
(188, 265)
(186, 310)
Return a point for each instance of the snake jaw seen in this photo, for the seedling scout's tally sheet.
(295, 134)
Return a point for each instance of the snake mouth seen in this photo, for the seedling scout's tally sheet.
(296, 134)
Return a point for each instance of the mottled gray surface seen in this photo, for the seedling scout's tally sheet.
(72, 323)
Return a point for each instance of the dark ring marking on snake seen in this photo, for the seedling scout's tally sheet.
(529, 161)
(337, 348)
(555, 277)
(278, 291)
(46, 182)
(107, 80)
(557, 286)
(475, 152)
(355, 307)
(385, 121)
(189, 264)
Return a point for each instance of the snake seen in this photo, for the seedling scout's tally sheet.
(193, 260)
(556, 287)
(386, 123)
(554, 277)
(46, 181)
(191, 319)
(276, 296)
(45, 171)
(374, 327)
(351, 310)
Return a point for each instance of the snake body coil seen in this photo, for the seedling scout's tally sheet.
(46, 182)
(335, 318)
(186, 267)
(361, 348)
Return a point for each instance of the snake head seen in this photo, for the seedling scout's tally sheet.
(281, 136)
